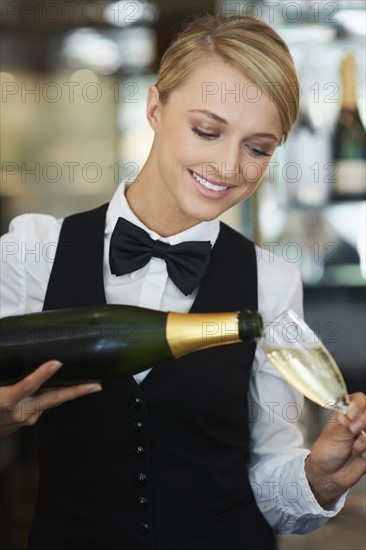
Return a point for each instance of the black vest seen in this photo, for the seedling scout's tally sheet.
(161, 465)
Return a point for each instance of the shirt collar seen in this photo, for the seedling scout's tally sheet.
(119, 207)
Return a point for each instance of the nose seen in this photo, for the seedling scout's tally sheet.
(225, 168)
(230, 167)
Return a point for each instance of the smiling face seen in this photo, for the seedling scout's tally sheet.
(214, 138)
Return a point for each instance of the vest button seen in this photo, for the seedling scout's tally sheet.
(144, 528)
(141, 479)
(142, 503)
(136, 426)
(135, 403)
(139, 452)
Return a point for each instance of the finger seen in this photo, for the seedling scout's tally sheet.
(42, 391)
(354, 428)
(359, 445)
(27, 412)
(61, 395)
(32, 419)
(358, 423)
(32, 382)
(357, 405)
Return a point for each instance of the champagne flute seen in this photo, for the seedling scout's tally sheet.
(303, 360)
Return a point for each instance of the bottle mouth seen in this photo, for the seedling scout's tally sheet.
(250, 325)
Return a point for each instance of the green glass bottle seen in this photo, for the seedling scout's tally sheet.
(349, 138)
(109, 342)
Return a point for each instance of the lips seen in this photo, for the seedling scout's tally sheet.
(214, 186)
(208, 188)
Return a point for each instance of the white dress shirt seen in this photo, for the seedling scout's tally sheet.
(276, 468)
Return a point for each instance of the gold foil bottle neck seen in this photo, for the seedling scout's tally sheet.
(186, 334)
(349, 82)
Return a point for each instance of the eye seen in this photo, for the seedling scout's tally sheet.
(259, 152)
(203, 135)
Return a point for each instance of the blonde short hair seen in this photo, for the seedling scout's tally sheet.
(246, 43)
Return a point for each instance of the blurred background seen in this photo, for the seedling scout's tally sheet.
(74, 77)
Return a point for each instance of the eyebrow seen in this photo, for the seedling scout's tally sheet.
(223, 121)
(210, 114)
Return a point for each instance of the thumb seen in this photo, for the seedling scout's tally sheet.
(342, 432)
(336, 432)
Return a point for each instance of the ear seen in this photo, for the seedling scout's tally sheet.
(153, 107)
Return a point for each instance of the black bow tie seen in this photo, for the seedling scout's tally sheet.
(131, 248)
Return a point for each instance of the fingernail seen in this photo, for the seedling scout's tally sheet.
(363, 455)
(54, 366)
(91, 388)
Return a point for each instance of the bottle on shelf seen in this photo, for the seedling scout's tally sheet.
(308, 152)
(349, 138)
(108, 342)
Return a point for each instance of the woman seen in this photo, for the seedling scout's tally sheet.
(199, 456)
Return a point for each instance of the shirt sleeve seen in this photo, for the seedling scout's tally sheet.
(276, 469)
(27, 254)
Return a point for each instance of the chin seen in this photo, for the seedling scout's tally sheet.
(203, 215)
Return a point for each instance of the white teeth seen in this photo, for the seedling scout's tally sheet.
(209, 185)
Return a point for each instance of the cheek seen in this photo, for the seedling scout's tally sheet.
(253, 171)
(177, 142)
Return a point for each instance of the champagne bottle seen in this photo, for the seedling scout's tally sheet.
(109, 342)
(349, 138)
(308, 147)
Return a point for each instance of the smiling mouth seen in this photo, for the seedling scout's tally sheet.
(208, 184)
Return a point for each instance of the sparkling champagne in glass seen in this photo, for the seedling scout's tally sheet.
(303, 360)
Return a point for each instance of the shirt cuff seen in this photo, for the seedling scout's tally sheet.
(299, 500)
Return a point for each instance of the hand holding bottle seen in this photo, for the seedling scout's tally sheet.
(23, 403)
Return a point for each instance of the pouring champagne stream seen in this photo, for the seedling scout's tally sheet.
(303, 360)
